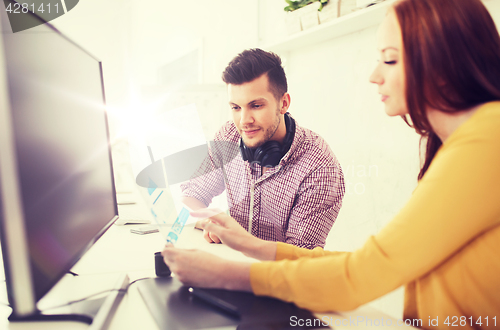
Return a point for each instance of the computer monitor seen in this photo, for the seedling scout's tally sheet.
(57, 194)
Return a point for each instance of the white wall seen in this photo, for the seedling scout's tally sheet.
(135, 39)
(328, 83)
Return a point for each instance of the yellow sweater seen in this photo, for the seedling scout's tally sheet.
(444, 245)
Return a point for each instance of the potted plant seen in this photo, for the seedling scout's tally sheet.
(303, 14)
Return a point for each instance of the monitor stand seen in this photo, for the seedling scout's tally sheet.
(96, 312)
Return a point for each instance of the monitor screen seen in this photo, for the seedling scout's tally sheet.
(62, 154)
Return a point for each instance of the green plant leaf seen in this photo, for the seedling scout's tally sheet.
(296, 4)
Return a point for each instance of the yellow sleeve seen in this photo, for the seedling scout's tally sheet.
(292, 252)
(457, 200)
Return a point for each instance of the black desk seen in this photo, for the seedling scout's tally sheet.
(174, 308)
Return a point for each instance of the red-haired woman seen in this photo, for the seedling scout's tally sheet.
(439, 65)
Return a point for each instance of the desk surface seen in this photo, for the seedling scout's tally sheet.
(119, 251)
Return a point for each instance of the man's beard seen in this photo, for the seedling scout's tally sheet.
(268, 134)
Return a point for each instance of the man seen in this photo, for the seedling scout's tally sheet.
(285, 184)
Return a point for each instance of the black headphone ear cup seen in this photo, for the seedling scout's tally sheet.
(274, 147)
(268, 154)
(258, 154)
(271, 159)
(246, 153)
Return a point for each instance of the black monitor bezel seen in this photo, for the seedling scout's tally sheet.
(25, 308)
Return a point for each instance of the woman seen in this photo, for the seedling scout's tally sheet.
(440, 65)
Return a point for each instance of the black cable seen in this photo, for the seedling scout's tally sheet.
(98, 293)
(88, 297)
(139, 279)
(79, 300)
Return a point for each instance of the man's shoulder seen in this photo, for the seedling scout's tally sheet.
(311, 144)
(311, 138)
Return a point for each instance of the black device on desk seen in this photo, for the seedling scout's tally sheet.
(57, 194)
(174, 307)
(216, 302)
(161, 268)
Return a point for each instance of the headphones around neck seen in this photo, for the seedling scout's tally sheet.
(270, 153)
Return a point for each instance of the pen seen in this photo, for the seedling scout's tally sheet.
(214, 301)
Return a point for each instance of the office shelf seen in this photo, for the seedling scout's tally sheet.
(356, 21)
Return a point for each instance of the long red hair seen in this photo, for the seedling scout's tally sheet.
(451, 54)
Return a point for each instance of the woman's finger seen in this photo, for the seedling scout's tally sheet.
(206, 236)
(212, 227)
(168, 252)
(214, 237)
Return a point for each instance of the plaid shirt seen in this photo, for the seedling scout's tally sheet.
(295, 202)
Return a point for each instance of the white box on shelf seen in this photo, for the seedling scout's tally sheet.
(346, 7)
(292, 21)
(363, 3)
(309, 15)
(329, 12)
(366, 3)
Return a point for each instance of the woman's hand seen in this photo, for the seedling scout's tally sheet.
(208, 236)
(202, 269)
(221, 226)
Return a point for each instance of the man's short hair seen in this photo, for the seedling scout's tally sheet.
(253, 63)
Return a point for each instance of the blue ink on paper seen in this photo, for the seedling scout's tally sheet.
(178, 225)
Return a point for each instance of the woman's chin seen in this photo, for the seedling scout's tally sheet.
(393, 112)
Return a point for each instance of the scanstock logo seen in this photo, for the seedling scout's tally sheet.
(20, 12)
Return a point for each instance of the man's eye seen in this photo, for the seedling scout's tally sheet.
(257, 105)
(390, 62)
(235, 108)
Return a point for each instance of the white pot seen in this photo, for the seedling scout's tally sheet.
(309, 15)
(346, 7)
(292, 21)
(329, 12)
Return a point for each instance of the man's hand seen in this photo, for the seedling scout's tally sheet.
(202, 269)
(221, 227)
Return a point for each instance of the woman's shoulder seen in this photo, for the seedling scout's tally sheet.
(484, 125)
(490, 110)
